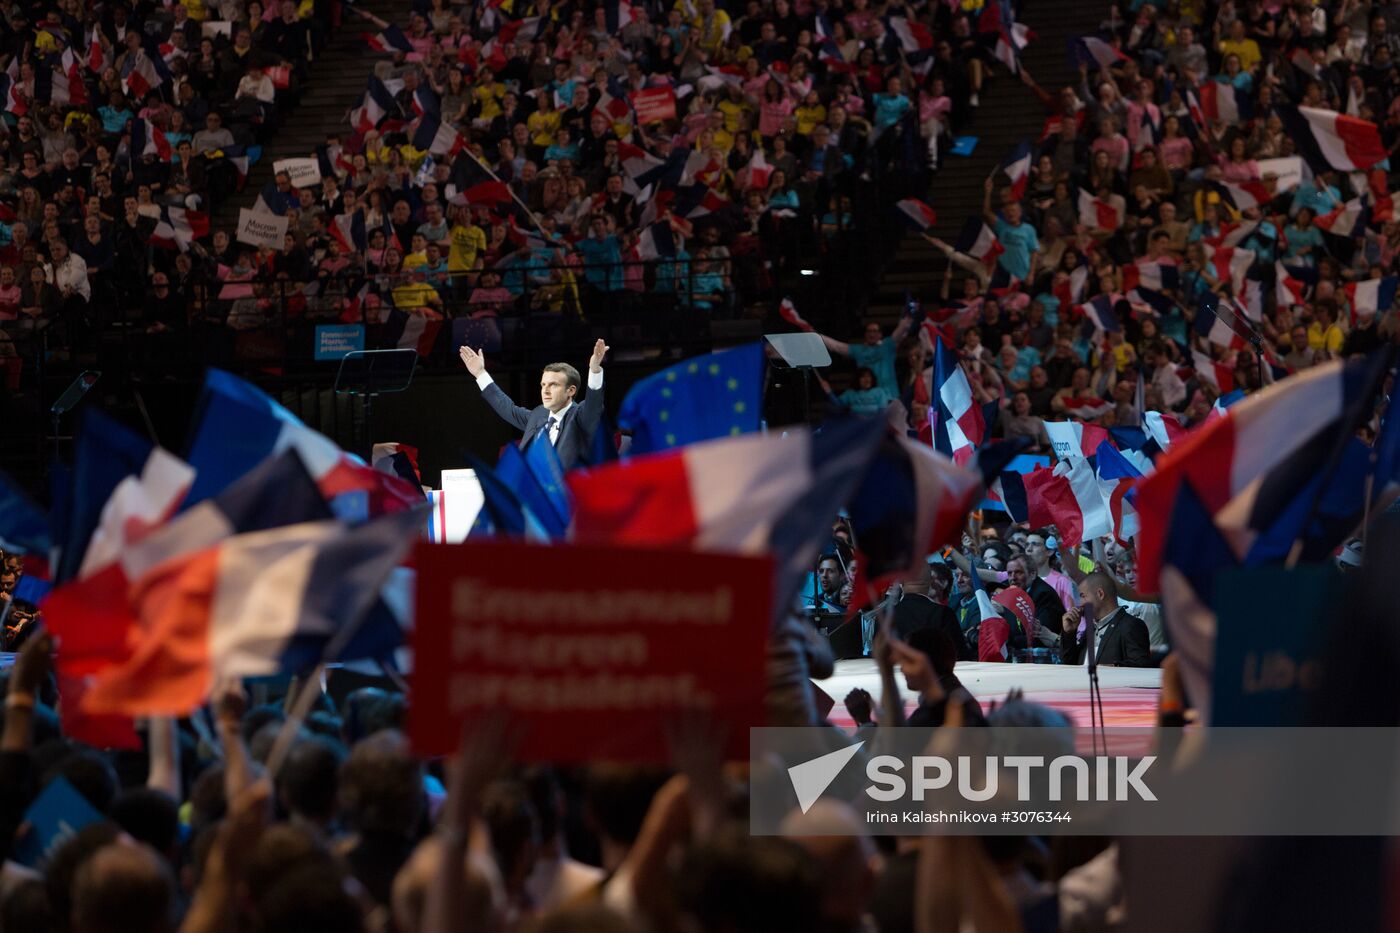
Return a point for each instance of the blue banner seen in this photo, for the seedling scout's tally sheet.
(333, 341)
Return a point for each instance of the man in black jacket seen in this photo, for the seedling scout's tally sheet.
(568, 426)
(1120, 639)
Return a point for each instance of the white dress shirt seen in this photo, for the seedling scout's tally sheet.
(70, 276)
(595, 383)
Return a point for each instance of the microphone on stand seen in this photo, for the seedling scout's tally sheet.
(1096, 720)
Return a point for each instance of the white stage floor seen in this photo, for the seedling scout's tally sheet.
(1129, 694)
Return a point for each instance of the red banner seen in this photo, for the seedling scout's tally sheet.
(589, 651)
(654, 105)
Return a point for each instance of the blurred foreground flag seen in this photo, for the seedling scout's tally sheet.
(24, 528)
(255, 604)
(757, 494)
(1259, 467)
(715, 395)
(238, 426)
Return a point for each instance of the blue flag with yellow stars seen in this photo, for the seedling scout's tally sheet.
(702, 398)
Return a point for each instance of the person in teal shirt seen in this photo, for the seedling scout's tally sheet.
(890, 107)
(601, 253)
(1018, 239)
(1304, 241)
(866, 398)
(1319, 195)
(876, 353)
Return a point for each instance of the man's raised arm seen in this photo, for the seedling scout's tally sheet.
(495, 396)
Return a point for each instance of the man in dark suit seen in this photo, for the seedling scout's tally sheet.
(1120, 639)
(569, 426)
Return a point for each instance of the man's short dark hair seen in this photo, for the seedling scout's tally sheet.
(307, 782)
(150, 816)
(1099, 580)
(935, 643)
(571, 376)
(748, 884)
(123, 888)
(617, 797)
(510, 816)
(381, 786)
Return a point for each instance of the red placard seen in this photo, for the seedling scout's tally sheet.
(654, 104)
(590, 651)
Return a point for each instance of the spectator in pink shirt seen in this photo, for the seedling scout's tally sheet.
(774, 110)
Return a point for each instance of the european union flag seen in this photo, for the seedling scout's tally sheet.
(502, 512)
(543, 462)
(710, 396)
(517, 475)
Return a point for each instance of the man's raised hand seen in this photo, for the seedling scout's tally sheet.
(476, 362)
(595, 362)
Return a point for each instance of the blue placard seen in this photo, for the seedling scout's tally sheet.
(964, 146)
(53, 818)
(1270, 626)
(333, 341)
(1021, 463)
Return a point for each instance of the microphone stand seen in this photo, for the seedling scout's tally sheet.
(1096, 717)
(1244, 328)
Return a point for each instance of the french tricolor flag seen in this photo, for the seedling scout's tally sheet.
(140, 76)
(656, 240)
(913, 35)
(1231, 263)
(258, 580)
(1096, 214)
(238, 426)
(391, 39)
(1094, 51)
(1289, 290)
(1217, 375)
(1100, 315)
(1371, 297)
(1346, 221)
(1347, 143)
(1247, 195)
(1066, 496)
(1221, 102)
(1164, 428)
(752, 494)
(1074, 440)
(788, 312)
(917, 213)
(1069, 289)
(377, 104)
(147, 139)
(1117, 476)
(978, 241)
(1244, 468)
(348, 231)
(1213, 327)
(415, 330)
(958, 425)
(1018, 169)
(1158, 276)
(437, 137)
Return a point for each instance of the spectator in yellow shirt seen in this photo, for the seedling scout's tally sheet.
(1237, 43)
(466, 243)
(1324, 333)
(544, 122)
(810, 114)
(488, 93)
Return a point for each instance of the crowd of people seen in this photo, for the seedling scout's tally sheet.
(125, 126)
(547, 187)
(210, 827)
(1154, 248)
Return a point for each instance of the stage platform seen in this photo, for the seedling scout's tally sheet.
(1129, 694)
